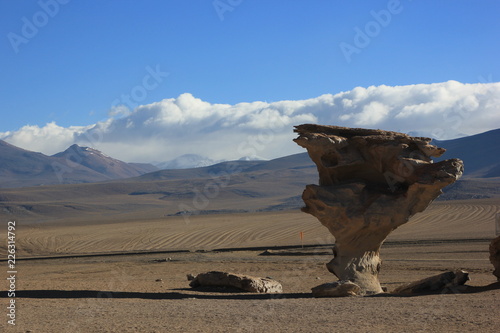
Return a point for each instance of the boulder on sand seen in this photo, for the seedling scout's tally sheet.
(435, 283)
(495, 256)
(336, 289)
(243, 282)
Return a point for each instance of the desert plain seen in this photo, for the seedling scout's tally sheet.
(129, 275)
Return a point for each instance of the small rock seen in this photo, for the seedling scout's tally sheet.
(160, 260)
(190, 277)
(243, 282)
(495, 256)
(159, 280)
(434, 283)
(337, 289)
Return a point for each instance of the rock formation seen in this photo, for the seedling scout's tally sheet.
(242, 282)
(370, 183)
(336, 289)
(437, 283)
(495, 256)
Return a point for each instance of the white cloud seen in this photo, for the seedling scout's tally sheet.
(172, 127)
(119, 110)
(371, 114)
(49, 139)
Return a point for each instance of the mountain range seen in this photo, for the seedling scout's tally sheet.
(186, 161)
(21, 168)
(479, 152)
(235, 186)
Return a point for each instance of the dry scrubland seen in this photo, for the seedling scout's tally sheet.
(144, 293)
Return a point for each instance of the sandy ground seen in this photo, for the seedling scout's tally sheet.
(146, 293)
(442, 220)
(139, 293)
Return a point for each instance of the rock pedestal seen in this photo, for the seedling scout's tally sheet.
(370, 183)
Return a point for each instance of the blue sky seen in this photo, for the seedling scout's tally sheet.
(88, 54)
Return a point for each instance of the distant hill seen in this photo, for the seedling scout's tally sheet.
(238, 186)
(186, 161)
(479, 152)
(213, 171)
(103, 164)
(295, 161)
(21, 168)
(227, 187)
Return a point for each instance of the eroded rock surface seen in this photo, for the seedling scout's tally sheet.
(336, 289)
(242, 282)
(495, 256)
(370, 183)
(435, 283)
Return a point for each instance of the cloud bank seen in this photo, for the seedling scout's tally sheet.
(172, 127)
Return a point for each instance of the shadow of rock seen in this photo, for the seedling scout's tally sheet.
(98, 294)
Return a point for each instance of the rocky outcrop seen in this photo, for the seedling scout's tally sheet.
(495, 256)
(437, 283)
(336, 289)
(242, 282)
(370, 183)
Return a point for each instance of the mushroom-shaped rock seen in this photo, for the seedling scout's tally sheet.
(370, 183)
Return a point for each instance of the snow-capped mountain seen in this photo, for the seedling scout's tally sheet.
(187, 161)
